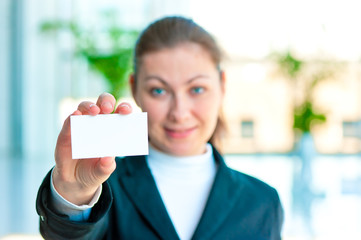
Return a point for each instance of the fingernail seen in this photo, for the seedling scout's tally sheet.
(107, 105)
(92, 105)
(124, 105)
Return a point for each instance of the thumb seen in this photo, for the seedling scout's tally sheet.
(64, 135)
(105, 167)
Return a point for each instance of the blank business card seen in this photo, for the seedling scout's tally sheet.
(108, 135)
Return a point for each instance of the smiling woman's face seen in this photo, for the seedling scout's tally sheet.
(182, 92)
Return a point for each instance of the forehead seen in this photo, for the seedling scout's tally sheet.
(180, 58)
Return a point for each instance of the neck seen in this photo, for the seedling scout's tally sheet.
(183, 165)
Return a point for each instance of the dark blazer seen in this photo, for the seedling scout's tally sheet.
(130, 207)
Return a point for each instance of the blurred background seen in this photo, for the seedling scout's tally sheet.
(293, 101)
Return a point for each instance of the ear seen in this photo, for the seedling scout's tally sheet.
(223, 81)
(133, 87)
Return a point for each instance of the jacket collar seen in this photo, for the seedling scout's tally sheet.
(222, 199)
(141, 187)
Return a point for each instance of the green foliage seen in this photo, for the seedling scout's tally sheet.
(113, 61)
(305, 117)
(304, 114)
(289, 64)
(115, 68)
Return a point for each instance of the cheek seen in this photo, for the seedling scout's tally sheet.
(208, 110)
(156, 111)
(213, 102)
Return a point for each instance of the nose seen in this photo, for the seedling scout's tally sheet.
(180, 108)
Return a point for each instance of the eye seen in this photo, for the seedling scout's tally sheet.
(197, 90)
(157, 91)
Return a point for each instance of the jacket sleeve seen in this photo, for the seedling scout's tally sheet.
(57, 226)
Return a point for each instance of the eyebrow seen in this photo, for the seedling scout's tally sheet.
(165, 82)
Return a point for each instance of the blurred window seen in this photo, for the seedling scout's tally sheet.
(351, 129)
(247, 129)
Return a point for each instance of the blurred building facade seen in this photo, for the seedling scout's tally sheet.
(259, 108)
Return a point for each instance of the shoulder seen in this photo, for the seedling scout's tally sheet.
(250, 185)
(259, 200)
(249, 180)
(254, 186)
(258, 194)
(255, 199)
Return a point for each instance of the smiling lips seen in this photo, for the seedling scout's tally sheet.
(179, 133)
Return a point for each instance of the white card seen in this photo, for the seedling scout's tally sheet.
(107, 135)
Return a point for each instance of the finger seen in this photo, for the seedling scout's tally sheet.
(124, 108)
(65, 131)
(64, 140)
(105, 167)
(88, 108)
(106, 103)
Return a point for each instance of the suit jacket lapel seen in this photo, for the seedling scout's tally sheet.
(140, 185)
(222, 199)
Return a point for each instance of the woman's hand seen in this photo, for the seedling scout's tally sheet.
(78, 179)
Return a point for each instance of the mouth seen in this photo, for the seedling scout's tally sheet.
(179, 133)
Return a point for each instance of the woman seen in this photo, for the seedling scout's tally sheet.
(182, 189)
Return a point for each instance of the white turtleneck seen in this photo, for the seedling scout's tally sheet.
(184, 184)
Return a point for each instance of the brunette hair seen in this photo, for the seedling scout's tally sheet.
(169, 32)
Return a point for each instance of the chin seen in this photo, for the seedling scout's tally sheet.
(184, 150)
(178, 147)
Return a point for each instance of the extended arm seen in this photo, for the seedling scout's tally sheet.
(56, 226)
